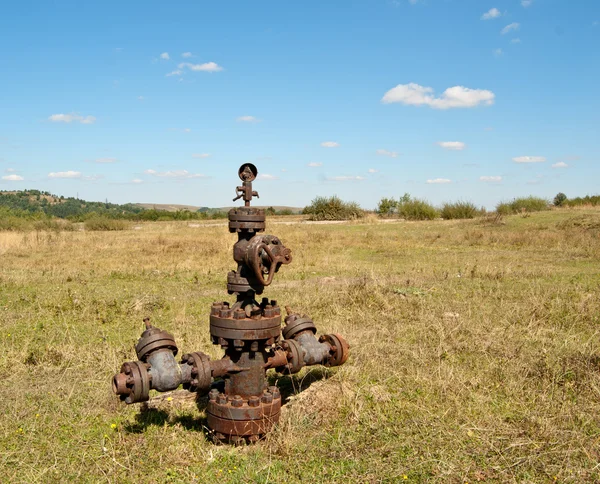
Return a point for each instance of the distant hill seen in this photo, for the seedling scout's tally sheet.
(167, 208)
(38, 202)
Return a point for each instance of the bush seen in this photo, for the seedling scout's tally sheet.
(559, 199)
(332, 208)
(457, 210)
(105, 223)
(522, 205)
(415, 209)
(593, 201)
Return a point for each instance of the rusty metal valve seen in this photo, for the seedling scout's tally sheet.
(245, 408)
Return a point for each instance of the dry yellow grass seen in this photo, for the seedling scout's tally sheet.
(475, 353)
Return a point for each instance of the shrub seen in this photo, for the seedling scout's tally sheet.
(522, 205)
(593, 200)
(416, 209)
(332, 208)
(458, 210)
(387, 206)
(559, 199)
(105, 223)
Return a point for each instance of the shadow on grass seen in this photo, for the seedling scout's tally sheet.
(290, 385)
(151, 416)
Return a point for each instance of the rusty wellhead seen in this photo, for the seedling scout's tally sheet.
(250, 333)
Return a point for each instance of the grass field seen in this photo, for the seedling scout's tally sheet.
(475, 353)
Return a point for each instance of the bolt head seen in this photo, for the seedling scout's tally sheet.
(267, 398)
(254, 401)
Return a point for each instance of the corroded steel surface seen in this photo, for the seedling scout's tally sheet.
(248, 331)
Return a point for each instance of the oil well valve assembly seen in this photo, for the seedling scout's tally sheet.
(250, 333)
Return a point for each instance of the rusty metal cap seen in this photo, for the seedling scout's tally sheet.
(297, 325)
(154, 339)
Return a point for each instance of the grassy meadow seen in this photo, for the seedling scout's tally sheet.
(475, 352)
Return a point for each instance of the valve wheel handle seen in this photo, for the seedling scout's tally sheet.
(256, 265)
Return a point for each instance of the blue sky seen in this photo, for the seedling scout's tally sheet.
(162, 101)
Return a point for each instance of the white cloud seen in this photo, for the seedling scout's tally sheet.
(174, 73)
(247, 119)
(346, 178)
(10, 170)
(165, 56)
(201, 155)
(510, 28)
(490, 14)
(373, 170)
(314, 164)
(498, 52)
(515, 41)
(391, 154)
(13, 178)
(176, 174)
(65, 174)
(560, 164)
(187, 130)
(490, 179)
(137, 181)
(266, 176)
(453, 97)
(439, 181)
(529, 159)
(330, 144)
(73, 117)
(526, 3)
(186, 54)
(452, 145)
(105, 160)
(206, 67)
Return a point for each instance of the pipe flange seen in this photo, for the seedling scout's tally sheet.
(154, 339)
(294, 355)
(340, 349)
(133, 383)
(293, 327)
(201, 372)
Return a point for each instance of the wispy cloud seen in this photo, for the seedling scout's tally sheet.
(13, 177)
(529, 159)
(176, 72)
(165, 56)
(314, 164)
(72, 118)
(186, 55)
(491, 14)
(490, 179)
(175, 174)
(373, 170)
(247, 119)
(330, 144)
(452, 145)
(526, 3)
(439, 181)
(137, 181)
(266, 176)
(510, 28)
(498, 52)
(391, 154)
(105, 160)
(453, 97)
(346, 178)
(560, 164)
(206, 67)
(201, 155)
(515, 41)
(64, 174)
